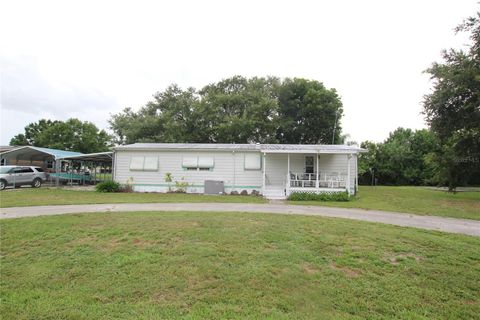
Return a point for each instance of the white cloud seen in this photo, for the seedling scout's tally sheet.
(92, 58)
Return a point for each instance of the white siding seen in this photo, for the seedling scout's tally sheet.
(276, 169)
(229, 167)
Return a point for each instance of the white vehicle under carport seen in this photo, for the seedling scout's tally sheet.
(17, 176)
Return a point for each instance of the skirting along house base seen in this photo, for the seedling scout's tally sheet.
(273, 170)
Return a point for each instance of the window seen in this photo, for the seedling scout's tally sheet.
(148, 163)
(151, 164)
(205, 162)
(253, 161)
(190, 162)
(136, 163)
(27, 170)
(49, 164)
(200, 163)
(39, 169)
(309, 164)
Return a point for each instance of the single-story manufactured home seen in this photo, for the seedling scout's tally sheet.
(274, 170)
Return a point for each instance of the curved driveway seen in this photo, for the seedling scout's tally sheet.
(463, 226)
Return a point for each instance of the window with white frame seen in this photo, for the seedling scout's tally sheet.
(190, 162)
(142, 163)
(253, 161)
(150, 164)
(205, 162)
(198, 163)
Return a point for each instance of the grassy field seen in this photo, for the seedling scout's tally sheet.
(412, 200)
(46, 196)
(227, 265)
(399, 199)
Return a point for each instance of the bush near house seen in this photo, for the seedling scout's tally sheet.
(108, 186)
(308, 196)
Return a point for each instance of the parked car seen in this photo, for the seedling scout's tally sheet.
(21, 175)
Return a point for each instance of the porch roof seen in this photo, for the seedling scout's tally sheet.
(310, 148)
(266, 148)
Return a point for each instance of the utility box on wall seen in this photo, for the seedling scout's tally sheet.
(214, 187)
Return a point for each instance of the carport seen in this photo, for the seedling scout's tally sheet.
(35, 156)
(89, 168)
(63, 167)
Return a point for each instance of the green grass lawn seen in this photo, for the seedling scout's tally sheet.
(399, 199)
(416, 200)
(227, 265)
(52, 196)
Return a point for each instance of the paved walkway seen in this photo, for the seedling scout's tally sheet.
(463, 226)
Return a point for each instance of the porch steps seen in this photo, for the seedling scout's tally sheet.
(274, 193)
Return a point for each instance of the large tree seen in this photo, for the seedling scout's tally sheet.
(240, 110)
(452, 110)
(402, 159)
(236, 110)
(172, 116)
(32, 131)
(72, 134)
(309, 113)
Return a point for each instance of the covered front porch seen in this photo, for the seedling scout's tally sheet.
(316, 171)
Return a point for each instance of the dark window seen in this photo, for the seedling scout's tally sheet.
(309, 163)
(17, 170)
(27, 170)
(39, 169)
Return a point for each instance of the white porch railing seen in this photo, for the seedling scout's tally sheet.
(333, 180)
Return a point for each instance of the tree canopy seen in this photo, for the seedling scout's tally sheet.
(452, 110)
(236, 110)
(402, 159)
(72, 134)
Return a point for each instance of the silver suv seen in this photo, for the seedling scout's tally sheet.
(21, 175)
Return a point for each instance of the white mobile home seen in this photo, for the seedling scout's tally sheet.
(274, 170)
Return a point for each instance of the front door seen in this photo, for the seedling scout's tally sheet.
(309, 164)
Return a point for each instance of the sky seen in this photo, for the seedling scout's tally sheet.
(91, 59)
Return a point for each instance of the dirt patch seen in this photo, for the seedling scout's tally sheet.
(88, 240)
(308, 268)
(349, 272)
(143, 243)
(397, 259)
(110, 245)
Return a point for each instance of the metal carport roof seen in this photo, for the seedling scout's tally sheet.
(37, 153)
(94, 157)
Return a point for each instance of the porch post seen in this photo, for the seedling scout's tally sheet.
(348, 173)
(287, 187)
(317, 183)
(356, 173)
(58, 167)
(264, 173)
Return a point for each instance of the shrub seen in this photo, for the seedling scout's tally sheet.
(108, 186)
(126, 188)
(308, 196)
(181, 186)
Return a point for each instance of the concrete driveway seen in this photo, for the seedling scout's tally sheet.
(462, 226)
